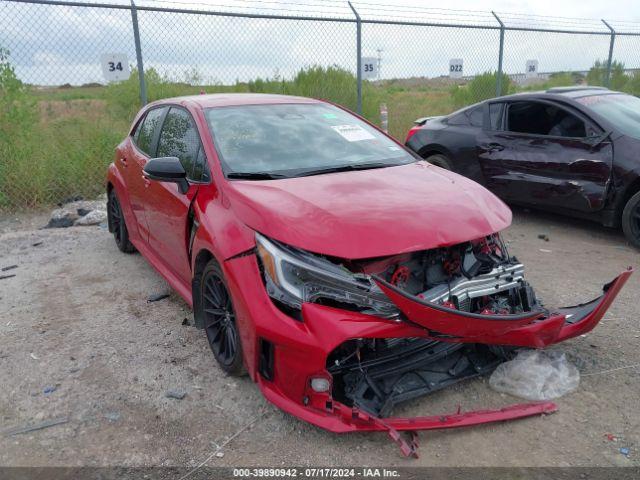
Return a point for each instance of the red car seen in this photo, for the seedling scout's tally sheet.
(341, 272)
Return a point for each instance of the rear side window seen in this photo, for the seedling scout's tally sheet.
(179, 138)
(144, 134)
(495, 116)
(458, 119)
(475, 117)
(471, 117)
(544, 119)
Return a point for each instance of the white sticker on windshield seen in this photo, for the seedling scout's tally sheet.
(353, 133)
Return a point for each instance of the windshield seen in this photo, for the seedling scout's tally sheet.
(622, 111)
(289, 140)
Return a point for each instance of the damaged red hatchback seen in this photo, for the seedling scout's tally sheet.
(320, 256)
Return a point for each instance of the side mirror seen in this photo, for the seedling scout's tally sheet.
(167, 169)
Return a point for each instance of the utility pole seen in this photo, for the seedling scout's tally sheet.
(379, 50)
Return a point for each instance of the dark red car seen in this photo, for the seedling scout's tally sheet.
(342, 273)
(570, 150)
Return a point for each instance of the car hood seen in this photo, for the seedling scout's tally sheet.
(370, 213)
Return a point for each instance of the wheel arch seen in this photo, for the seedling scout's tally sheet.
(203, 257)
(628, 192)
(434, 149)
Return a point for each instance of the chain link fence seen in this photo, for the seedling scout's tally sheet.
(73, 74)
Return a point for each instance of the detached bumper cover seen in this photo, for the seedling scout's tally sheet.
(535, 329)
(340, 419)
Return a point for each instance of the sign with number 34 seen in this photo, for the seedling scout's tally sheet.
(115, 66)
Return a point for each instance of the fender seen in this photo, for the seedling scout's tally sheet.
(220, 232)
(114, 178)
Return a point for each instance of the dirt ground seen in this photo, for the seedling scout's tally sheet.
(75, 323)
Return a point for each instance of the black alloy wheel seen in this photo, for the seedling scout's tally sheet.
(220, 320)
(631, 220)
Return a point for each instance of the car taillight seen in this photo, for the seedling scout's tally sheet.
(412, 132)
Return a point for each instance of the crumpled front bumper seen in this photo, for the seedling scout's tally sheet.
(535, 329)
(301, 348)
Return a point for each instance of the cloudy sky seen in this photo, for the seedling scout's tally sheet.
(51, 45)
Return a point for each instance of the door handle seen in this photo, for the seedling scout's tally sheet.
(494, 147)
(146, 181)
(123, 161)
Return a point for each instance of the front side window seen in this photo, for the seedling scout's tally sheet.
(145, 133)
(622, 111)
(287, 140)
(179, 138)
(539, 118)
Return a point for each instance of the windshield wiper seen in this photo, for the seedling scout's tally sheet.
(255, 175)
(344, 168)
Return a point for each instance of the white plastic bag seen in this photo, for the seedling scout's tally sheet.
(536, 375)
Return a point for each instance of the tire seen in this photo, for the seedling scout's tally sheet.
(219, 320)
(631, 220)
(439, 160)
(117, 224)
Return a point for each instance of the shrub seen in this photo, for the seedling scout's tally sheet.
(480, 88)
(598, 73)
(17, 116)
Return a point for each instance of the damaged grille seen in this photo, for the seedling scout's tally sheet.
(377, 374)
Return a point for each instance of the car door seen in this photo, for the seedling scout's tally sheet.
(166, 208)
(141, 147)
(541, 153)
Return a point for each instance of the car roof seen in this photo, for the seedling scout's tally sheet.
(235, 99)
(559, 93)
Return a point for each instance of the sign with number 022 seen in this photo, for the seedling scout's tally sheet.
(455, 68)
(115, 66)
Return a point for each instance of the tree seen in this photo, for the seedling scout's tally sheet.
(16, 108)
(598, 73)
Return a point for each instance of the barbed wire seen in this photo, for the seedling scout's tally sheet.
(376, 11)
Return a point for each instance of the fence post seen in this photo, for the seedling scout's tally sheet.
(359, 53)
(500, 55)
(607, 78)
(136, 38)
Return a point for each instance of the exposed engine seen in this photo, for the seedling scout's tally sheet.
(477, 277)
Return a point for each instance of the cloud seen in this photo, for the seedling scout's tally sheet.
(58, 44)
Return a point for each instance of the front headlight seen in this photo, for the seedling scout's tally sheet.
(294, 277)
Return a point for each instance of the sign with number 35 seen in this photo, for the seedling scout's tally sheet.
(369, 68)
(115, 66)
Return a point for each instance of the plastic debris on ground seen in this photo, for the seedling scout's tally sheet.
(536, 375)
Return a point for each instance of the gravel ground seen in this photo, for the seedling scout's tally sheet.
(78, 340)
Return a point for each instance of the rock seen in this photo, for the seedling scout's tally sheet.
(112, 416)
(220, 454)
(177, 394)
(83, 211)
(70, 212)
(62, 218)
(94, 217)
(49, 389)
